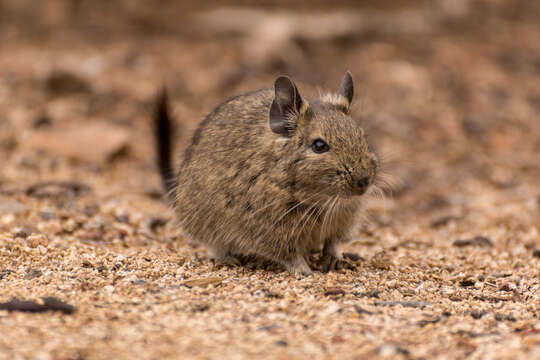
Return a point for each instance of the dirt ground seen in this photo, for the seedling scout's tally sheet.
(448, 261)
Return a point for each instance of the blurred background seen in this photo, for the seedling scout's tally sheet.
(449, 90)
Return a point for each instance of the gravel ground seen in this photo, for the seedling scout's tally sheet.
(446, 265)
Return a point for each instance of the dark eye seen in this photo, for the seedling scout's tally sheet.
(319, 146)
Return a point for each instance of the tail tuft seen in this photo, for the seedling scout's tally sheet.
(164, 133)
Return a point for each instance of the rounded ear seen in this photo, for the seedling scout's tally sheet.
(347, 87)
(285, 107)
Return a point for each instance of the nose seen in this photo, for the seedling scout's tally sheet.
(363, 183)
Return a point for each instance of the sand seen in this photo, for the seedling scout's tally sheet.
(448, 263)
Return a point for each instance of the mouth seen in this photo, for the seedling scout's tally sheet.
(360, 191)
(352, 192)
(360, 186)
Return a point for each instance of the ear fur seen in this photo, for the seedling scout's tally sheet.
(287, 106)
(347, 88)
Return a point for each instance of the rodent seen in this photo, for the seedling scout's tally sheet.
(271, 174)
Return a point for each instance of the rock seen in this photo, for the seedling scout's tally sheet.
(472, 125)
(47, 215)
(43, 120)
(52, 189)
(60, 83)
(409, 304)
(362, 311)
(428, 320)
(442, 221)
(381, 261)
(32, 274)
(49, 303)
(476, 241)
(477, 314)
(203, 282)
(353, 257)
(23, 232)
(467, 282)
(504, 317)
(96, 142)
(508, 287)
(5, 273)
(332, 291)
(11, 206)
(124, 218)
(156, 222)
(36, 240)
(201, 307)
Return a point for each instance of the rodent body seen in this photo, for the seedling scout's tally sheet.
(271, 174)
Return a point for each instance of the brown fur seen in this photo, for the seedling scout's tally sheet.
(244, 189)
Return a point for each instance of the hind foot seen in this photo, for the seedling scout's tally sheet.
(299, 266)
(223, 257)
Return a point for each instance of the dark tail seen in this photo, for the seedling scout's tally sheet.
(164, 134)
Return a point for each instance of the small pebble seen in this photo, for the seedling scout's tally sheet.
(37, 239)
(334, 291)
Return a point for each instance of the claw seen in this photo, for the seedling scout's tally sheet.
(331, 257)
(330, 262)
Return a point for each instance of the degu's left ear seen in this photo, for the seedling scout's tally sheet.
(287, 107)
(347, 88)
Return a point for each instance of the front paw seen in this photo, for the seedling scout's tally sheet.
(331, 262)
(348, 261)
(332, 258)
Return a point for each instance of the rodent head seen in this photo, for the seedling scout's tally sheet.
(331, 154)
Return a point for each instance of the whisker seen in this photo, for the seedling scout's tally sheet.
(325, 211)
(388, 182)
(379, 192)
(366, 218)
(307, 213)
(326, 216)
(316, 218)
(252, 215)
(291, 209)
(333, 209)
